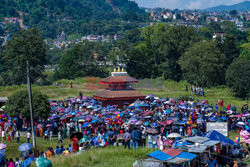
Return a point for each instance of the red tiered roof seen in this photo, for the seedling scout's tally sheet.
(118, 79)
(118, 94)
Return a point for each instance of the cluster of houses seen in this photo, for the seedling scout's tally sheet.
(61, 42)
(198, 18)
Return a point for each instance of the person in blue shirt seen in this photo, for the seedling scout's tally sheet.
(70, 148)
(57, 150)
(211, 163)
(62, 149)
(216, 107)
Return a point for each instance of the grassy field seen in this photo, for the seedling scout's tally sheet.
(104, 157)
(167, 88)
(42, 145)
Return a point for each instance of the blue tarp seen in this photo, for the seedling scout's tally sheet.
(160, 155)
(187, 155)
(214, 135)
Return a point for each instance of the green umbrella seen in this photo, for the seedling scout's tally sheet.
(43, 162)
(146, 123)
(85, 139)
(3, 107)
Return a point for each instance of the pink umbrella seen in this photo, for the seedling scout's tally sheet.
(237, 116)
(169, 121)
(182, 103)
(88, 118)
(163, 123)
(168, 142)
(49, 125)
(117, 112)
(2, 146)
(39, 126)
(86, 98)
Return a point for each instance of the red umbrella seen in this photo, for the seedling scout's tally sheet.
(147, 113)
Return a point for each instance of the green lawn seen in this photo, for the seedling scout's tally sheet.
(102, 157)
(42, 145)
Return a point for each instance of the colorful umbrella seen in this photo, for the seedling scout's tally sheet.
(27, 162)
(85, 139)
(40, 126)
(152, 131)
(2, 146)
(25, 147)
(174, 135)
(43, 162)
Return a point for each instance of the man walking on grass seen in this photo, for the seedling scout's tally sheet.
(17, 136)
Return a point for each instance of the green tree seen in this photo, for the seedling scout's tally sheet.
(18, 103)
(229, 48)
(27, 45)
(214, 27)
(203, 65)
(84, 59)
(238, 77)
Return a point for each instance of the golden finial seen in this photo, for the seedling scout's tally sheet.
(114, 69)
(123, 69)
(119, 70)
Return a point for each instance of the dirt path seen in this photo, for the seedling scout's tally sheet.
(115, 8)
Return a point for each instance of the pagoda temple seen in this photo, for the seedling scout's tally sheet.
(118, 90)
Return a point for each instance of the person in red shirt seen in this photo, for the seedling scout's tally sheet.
(75, 146)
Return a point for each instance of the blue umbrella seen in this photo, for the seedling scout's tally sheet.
(154, 125)
(212, 119)
(223, 118)
(24, 154)
(85, 125)
(94, 121)
(25, 147)
(27, 162)
(2, 154)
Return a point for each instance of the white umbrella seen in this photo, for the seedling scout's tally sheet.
(174, 135)
(241, 123)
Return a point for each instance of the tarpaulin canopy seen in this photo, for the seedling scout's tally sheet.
(177, 160)
(187, 155)
(214, 135)
(196, 139)
(160, 155)
(211, 143)
(172, 152)
(198, 149)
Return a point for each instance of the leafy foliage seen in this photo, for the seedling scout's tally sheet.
(160, 48)
(27, 45)
(18, 103)
(84, 59)
(238, 77)
(203, 65)
(51, 17)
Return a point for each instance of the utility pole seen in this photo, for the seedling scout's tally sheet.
(31, 109)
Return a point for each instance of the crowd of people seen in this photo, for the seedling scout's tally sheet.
(149, 122)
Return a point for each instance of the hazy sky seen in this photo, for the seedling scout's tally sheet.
(187, 4)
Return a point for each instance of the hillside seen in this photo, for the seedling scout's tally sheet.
(51, 17)
(243, 6)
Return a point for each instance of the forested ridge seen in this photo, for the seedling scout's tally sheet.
(51, 17)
